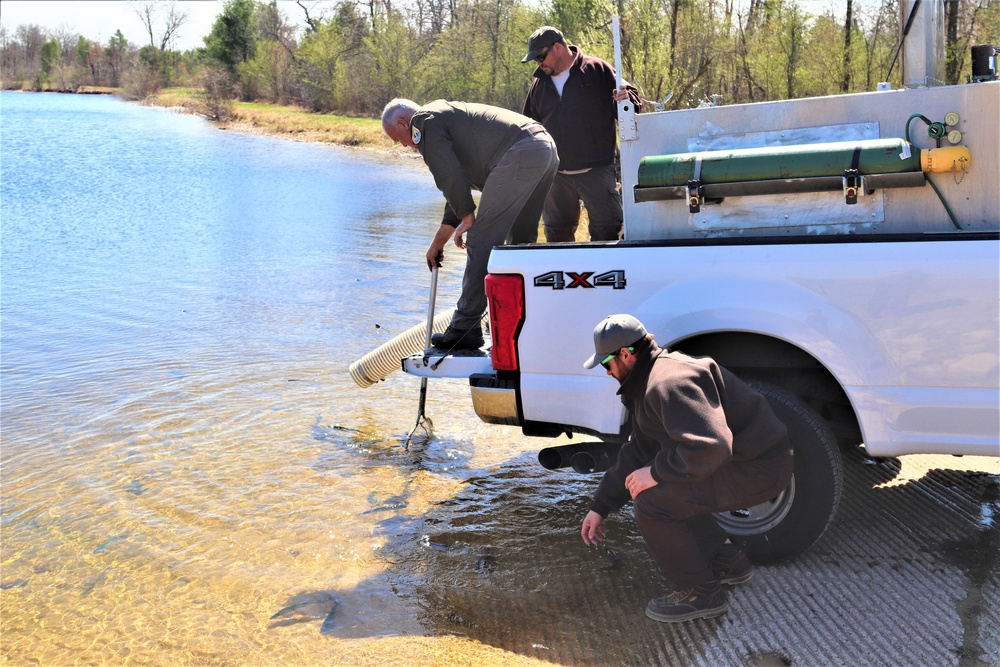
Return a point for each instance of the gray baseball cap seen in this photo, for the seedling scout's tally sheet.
(612, 334)
(544, 36)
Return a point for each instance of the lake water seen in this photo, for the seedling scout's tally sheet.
(184, 453)
(190, 476)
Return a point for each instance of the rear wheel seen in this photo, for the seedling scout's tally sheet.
(792, 521)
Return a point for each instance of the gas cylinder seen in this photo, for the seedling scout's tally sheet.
(869, 156)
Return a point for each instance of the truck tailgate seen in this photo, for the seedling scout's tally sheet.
(433, 363)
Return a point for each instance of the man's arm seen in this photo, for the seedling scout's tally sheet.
(435, 251)
(689, 406)
(528, 108)
(449, 174)
(627, 92)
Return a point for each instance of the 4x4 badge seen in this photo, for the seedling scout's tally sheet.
(570, 279)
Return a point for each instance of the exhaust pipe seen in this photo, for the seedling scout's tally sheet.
(595, 460)
(553, 458)
(586, 457)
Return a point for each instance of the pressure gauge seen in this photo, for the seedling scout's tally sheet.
(951, 119)
(954, 137)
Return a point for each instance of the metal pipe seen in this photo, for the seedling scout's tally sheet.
(552, 458)
(595, 459)
(616, 32)
(421, 417)
(592, 455)
(924, 45)
(427, 340)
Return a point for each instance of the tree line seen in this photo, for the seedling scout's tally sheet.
(352, 56)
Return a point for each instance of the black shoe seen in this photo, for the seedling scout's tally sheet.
(459, 339)
(706, 601)
(731, 565)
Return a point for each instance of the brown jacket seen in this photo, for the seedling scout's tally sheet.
(690, 417)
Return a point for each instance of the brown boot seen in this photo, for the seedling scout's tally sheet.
(706, 601)
(731, 565)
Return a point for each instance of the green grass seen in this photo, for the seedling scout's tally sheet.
(290, 122)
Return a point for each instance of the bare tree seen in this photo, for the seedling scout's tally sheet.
(148, 11)
(29, 39)
(313, 23)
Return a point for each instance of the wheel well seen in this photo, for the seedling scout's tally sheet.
(766, 359)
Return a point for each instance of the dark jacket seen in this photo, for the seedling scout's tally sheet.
(461, 143)
(582, 121)
(690, 418)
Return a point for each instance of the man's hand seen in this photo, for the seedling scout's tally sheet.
(620, 94)
(466, 225)
(592, 531)
(435, 255)
(639, 481)
(435, 251)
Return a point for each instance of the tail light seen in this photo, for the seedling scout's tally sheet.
(506, 297)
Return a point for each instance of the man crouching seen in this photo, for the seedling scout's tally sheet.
(702, 442)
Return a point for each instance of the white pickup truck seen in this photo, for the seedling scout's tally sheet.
(863, 301)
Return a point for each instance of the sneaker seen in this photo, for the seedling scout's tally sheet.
(731, 565)
(459, 339)
(699, 602)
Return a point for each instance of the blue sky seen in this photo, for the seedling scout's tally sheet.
(98, 19)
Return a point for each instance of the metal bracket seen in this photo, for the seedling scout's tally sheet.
(626, 121)
(694, 194)
(694, 191)
(853, 183)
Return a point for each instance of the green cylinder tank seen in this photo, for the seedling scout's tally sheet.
(871, 156)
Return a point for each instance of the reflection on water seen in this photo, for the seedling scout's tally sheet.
(189, 474)
(191, 477)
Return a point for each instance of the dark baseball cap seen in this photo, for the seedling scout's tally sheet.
(544, 36)
(612, 334)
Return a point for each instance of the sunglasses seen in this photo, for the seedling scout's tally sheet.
(543, 55)
(607, 359)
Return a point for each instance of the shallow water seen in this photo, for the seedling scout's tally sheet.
(184, 453)
(189, 475)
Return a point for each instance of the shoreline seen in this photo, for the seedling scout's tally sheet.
(288, 122)
(280, 121)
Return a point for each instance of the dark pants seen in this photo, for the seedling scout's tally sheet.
(598, 190)
(676, 519)
(512, 197)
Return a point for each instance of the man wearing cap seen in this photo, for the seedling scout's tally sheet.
(508, 157)
(702, 442)
(575, 97)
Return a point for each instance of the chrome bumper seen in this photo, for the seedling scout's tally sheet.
(494, 401)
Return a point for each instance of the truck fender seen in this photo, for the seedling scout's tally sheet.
(837, 340)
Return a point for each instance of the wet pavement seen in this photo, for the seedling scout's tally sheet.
(908, 574)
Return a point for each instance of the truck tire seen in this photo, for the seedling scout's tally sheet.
(792, 522)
